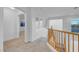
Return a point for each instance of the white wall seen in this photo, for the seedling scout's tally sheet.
(38, 31)
(1, 29)
(67, 24)
(11, 24)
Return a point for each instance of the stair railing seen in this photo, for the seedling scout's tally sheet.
(63, 40)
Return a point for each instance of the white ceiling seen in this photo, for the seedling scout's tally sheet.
(21, 8)
(50, 11)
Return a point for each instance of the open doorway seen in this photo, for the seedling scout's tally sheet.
(22, 26)
(56, 24)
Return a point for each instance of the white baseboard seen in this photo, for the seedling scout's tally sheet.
(51, 48)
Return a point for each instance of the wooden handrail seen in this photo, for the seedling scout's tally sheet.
(65, 31)
(59, 43)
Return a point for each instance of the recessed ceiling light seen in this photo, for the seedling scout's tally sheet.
(12, 8)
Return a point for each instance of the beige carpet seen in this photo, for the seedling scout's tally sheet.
(18, 45)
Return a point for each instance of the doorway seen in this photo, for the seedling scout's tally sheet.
(22, 26)
(56, 24)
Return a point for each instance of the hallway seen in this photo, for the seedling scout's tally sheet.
(18, 45)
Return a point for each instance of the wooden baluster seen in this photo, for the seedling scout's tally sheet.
(53, 33)
(56, 36)
(59, 39)
(62, 38)
(55, 40)
(68, 42)
(65, 41)
(48, 35)
(73, 42)
(78, 42)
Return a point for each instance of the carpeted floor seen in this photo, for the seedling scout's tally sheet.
(18, 45)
